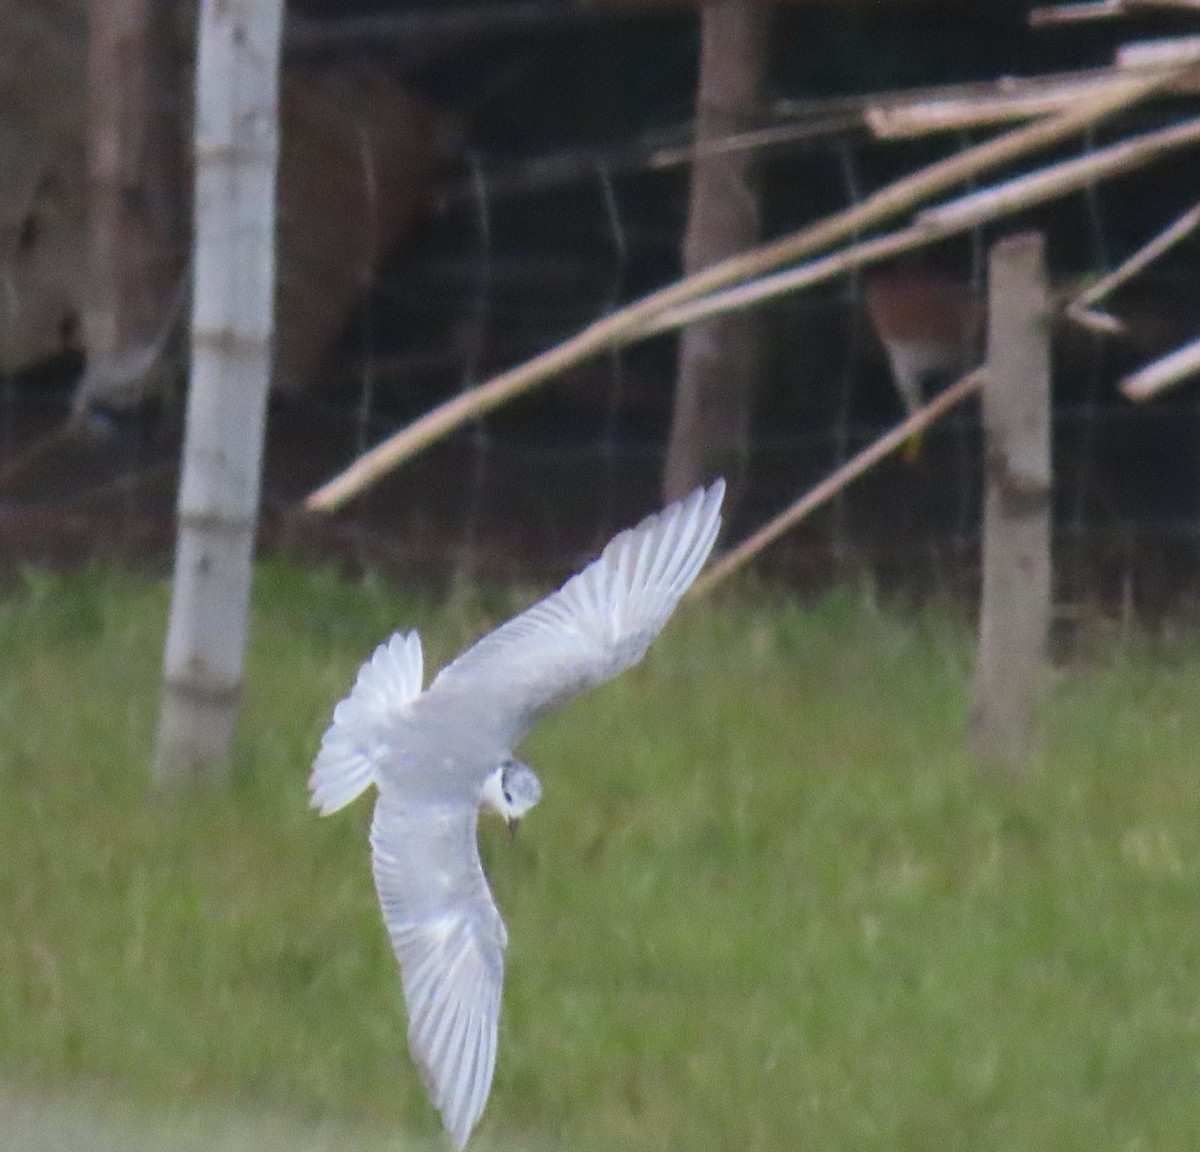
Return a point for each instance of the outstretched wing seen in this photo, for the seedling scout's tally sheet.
(449, 939)
(598, 624)
(351, 748)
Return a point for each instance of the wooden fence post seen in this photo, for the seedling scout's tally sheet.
(1015, 609)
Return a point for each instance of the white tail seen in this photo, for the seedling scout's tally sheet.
(386, 683)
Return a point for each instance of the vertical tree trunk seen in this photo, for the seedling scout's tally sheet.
(134, 257)
(237, 145)
(714, 389)
(1015, 613)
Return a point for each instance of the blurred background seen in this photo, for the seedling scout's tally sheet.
(770, 899)
(463, 186)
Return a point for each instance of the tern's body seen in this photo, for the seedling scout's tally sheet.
(440, 755)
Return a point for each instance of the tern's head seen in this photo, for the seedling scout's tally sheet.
(511, 790)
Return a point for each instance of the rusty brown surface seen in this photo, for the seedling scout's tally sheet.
(357, 158)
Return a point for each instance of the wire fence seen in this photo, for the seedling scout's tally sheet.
(515, 256)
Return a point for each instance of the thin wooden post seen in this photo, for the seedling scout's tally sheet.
(718, 360)
(133, 210)
(1015, 612)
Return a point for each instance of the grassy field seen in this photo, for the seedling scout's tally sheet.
(766, 902)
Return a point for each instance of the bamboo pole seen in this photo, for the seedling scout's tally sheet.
(1059, 179)
(873, 251)
(578, 164)
(1095, 320)
(1144, 256)
(1158, 52)
(937, 224)
(828, 488)
(1005, 100)
(1076, 13)
(887, 115)
(1104, 10)
(625, 325)
(1164, 373)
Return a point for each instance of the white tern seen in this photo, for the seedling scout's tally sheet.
(440, 756)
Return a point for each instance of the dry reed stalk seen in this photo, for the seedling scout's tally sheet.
(628, 323)
(1164, 373)
(939, 223)
(828, 488)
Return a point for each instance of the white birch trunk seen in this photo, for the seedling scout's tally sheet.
(237, 145)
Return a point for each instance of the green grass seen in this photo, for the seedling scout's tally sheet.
(766, 903)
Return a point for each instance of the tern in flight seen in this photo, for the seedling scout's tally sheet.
(441, 756)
